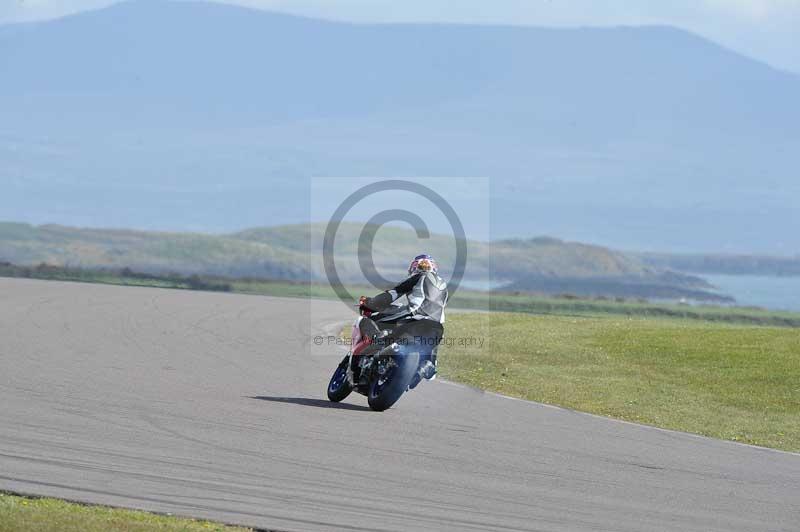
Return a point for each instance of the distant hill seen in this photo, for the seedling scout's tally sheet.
(668, 286)
(150, 252)
(725, 264)
(293, 252)
(206, 117)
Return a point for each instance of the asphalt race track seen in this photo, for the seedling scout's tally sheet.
(213, 406)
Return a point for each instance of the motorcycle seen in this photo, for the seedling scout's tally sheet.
(383, 364)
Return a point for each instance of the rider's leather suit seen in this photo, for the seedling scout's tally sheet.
(427, 296)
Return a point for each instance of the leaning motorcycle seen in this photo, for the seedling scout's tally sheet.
(382, 366)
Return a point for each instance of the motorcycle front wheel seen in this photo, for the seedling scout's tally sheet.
(339, 387)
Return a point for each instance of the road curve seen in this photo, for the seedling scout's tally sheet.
(212, 405)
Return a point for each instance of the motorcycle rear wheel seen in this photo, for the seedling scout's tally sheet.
(384, 391)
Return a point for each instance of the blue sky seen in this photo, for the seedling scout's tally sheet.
(768, 30)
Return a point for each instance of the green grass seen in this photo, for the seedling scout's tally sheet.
(464, 299)
(531, 304)
(123, 276)
(20, 514)
(735, 382)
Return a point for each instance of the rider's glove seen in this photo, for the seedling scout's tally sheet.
(362, 306)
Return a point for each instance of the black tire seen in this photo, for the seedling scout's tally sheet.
(339, 387)
(383, 397)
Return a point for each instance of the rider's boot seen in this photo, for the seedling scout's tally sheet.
(426, 370)
(429, 367)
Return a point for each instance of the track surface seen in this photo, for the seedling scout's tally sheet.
(212, 405)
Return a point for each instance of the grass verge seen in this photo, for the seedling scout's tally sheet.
(465, 299)
(22, 514)
(734, 382)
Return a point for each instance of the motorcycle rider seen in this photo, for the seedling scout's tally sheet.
(426, 295)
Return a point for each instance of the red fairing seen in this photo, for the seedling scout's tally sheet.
(359, 342)
(362, 343)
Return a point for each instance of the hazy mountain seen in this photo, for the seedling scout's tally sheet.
(209, 117)
(725, 264)
(293, 252)
(263, 251)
